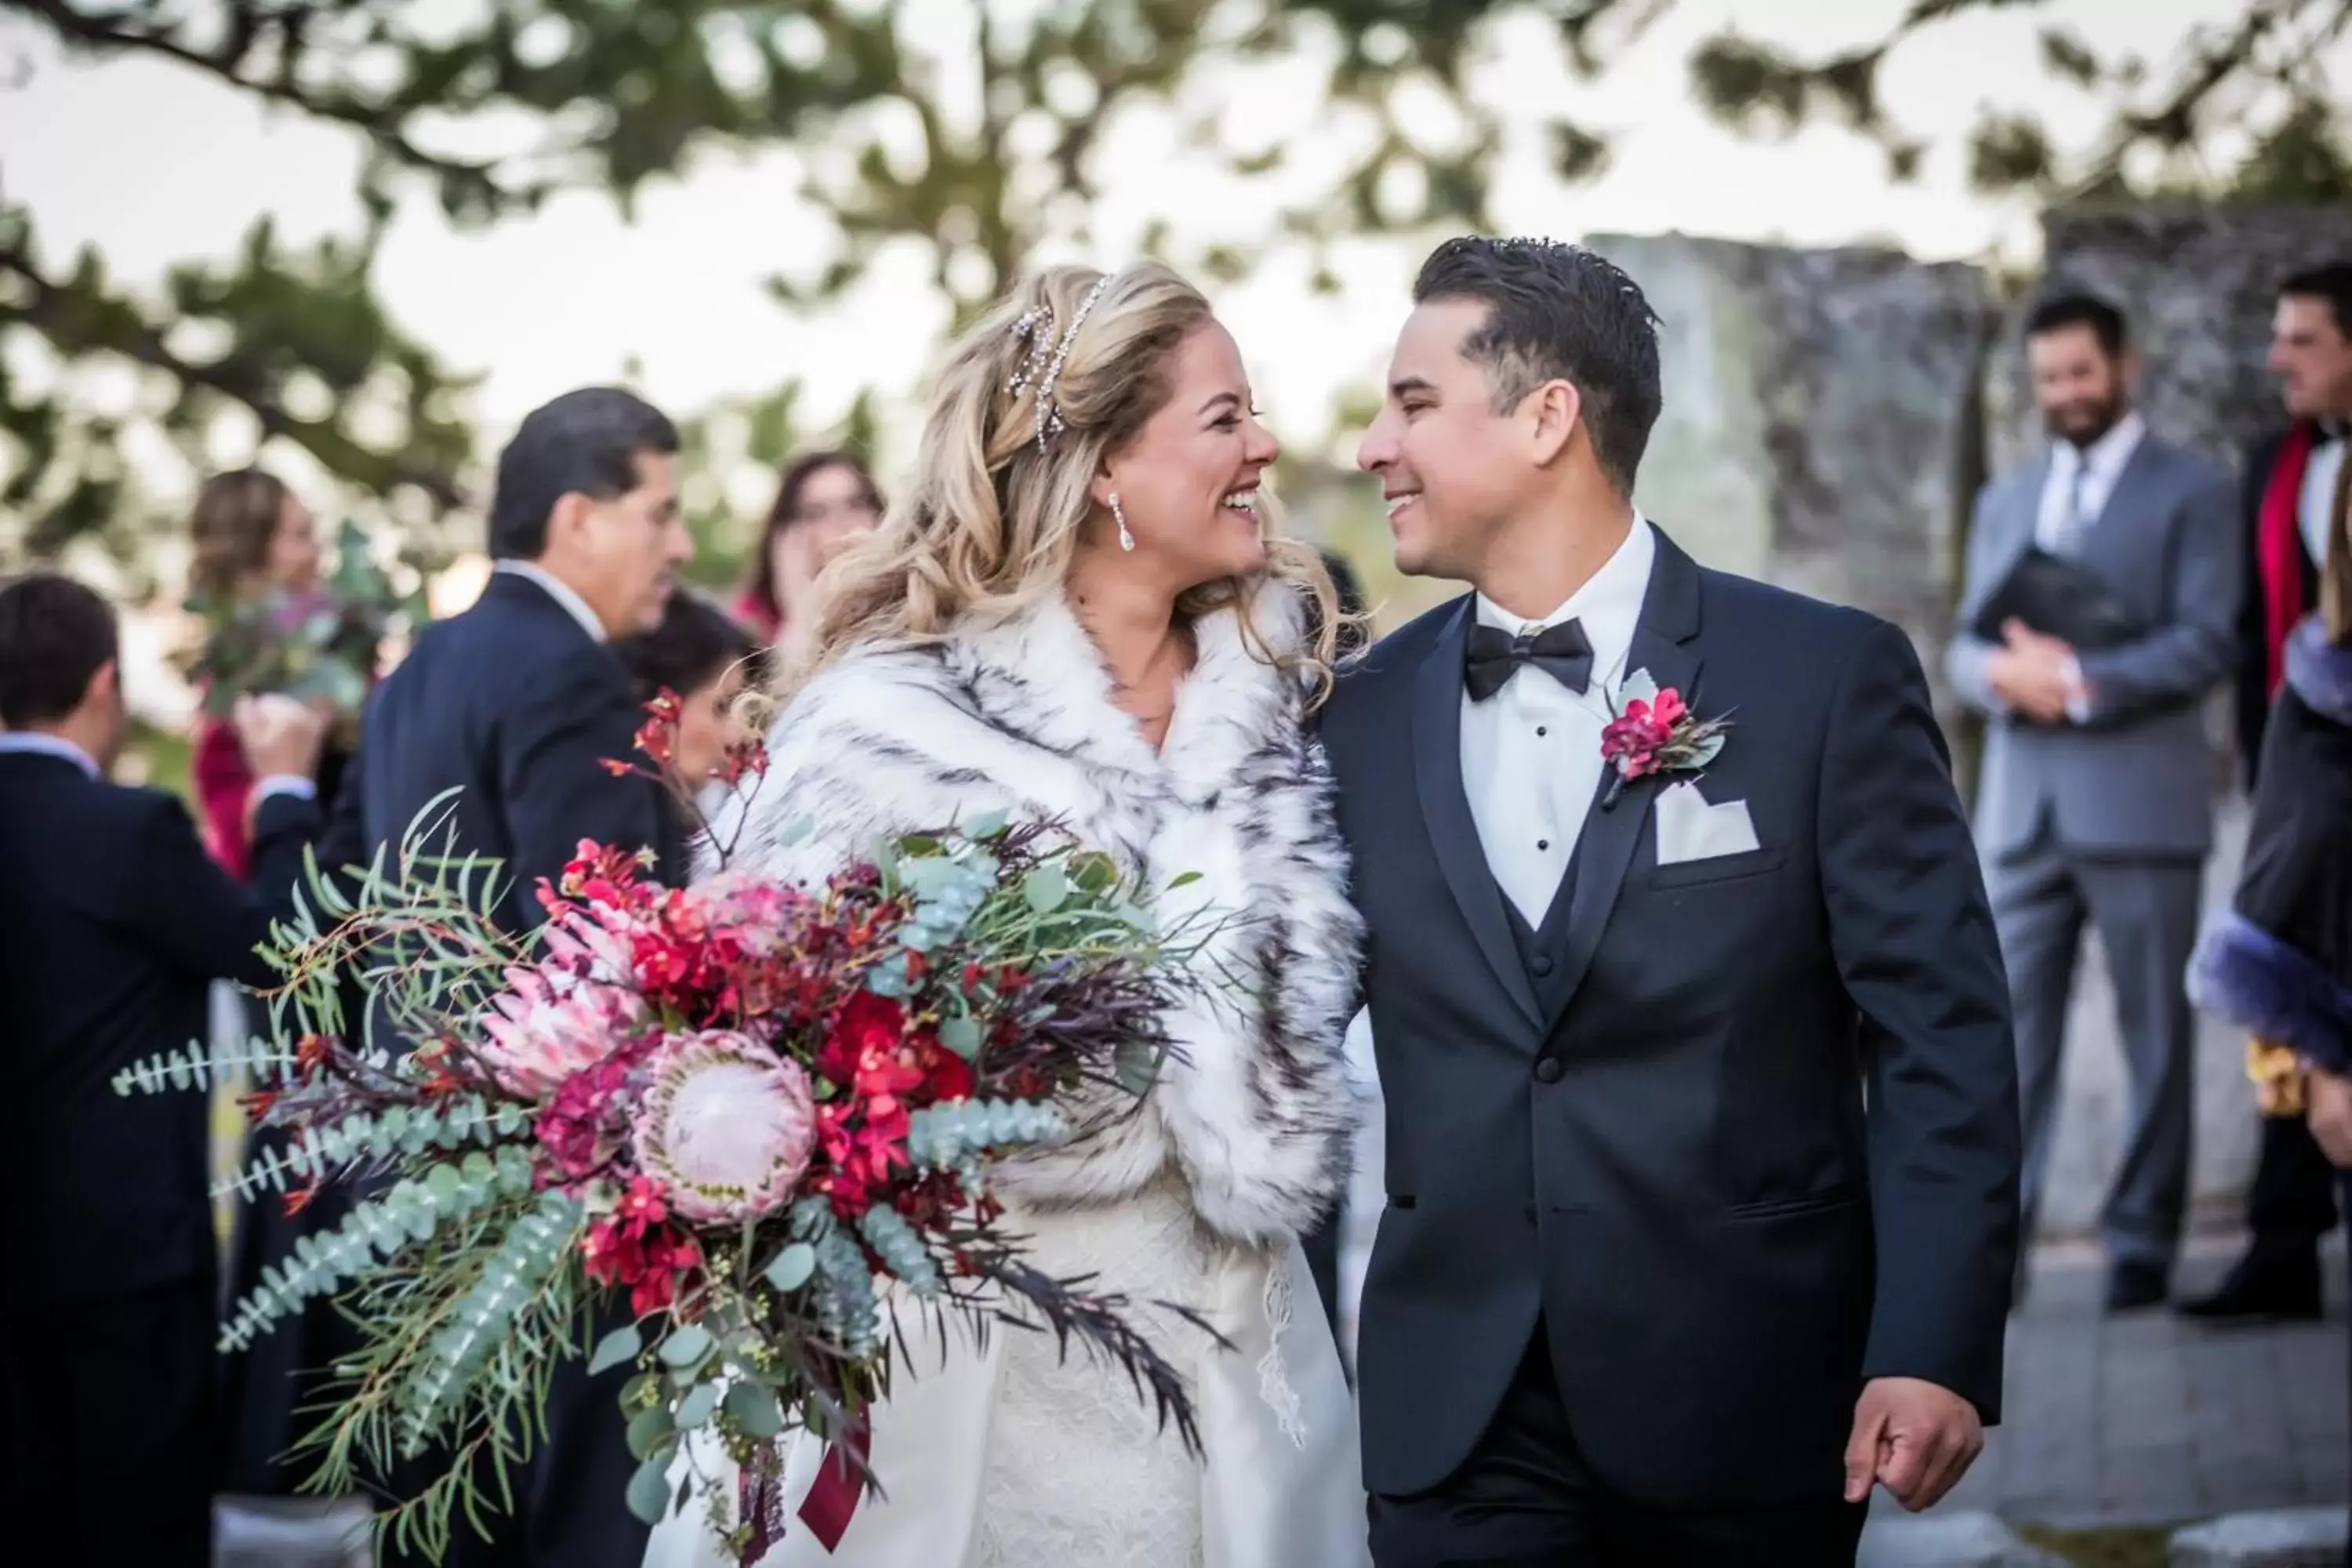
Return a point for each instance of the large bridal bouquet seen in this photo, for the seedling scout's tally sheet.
(742, 1120)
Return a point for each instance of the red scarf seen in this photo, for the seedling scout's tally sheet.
(2278, 546)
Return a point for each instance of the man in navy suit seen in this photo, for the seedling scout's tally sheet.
(113, 923)
(517, 703)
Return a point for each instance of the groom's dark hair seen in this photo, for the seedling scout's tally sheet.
(54, 636)
(1559, 312)
(586, 443)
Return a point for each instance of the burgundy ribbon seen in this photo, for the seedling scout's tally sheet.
(840, 1482)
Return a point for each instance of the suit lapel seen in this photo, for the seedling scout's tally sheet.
(1445, 807)
(1665, 645)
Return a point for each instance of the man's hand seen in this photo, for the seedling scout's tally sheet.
(2327, 1107)
(1913, 1437)
(2035, 675)
(280, 735)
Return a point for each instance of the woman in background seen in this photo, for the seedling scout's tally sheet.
(252, 537)
(2278, 962)
(707, 660)
(824, 500)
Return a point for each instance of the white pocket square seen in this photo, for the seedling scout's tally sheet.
(1689, 828)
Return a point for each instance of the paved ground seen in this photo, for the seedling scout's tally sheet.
(2143, 1419)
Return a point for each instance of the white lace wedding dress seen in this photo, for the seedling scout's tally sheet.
(1010, 1454)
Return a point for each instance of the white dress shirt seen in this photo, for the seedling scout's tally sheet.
(2316, 503)
(2084, 477)
(2073, 494)
(557, 589)
(43, 743)
(1531, 752)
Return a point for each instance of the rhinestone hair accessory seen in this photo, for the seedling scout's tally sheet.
(1047, 353)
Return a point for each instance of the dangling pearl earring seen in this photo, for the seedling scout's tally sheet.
(1126, 540)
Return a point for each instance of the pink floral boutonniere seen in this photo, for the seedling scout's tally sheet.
(1654, 731)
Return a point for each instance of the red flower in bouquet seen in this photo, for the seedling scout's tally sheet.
(634, 1247)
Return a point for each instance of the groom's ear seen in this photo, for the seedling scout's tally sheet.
(1551, 412)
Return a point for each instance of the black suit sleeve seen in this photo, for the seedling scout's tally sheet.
(553, 780)
(1913, 936)
(196, 915)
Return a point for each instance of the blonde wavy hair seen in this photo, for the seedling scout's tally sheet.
(987, 524)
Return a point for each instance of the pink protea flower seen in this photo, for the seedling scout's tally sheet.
(726, 1126)
(550, 1024)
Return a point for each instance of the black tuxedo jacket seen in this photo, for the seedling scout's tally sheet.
(1747, 1134)
(2253, 693)
(514, 705)
(113, 923)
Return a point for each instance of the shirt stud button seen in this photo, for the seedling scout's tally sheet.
(1543, 843)
(1542, 730)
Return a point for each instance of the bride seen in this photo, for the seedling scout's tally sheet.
(1074, 612)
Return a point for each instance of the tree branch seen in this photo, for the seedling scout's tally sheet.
(461, 181)
(48, 308)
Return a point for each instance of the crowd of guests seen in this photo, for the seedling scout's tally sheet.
(2095, 799)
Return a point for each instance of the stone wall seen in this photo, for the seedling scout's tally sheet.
(1818, 429)
(2198, 284)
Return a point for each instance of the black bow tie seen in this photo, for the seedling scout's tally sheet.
(1493, 656)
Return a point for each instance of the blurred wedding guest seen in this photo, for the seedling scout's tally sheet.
(2095, 805)
(824, 500)
(2278, 962)
(708, 661)
(2290, 479)
(517, 703)
(256, 547)
(113, 922)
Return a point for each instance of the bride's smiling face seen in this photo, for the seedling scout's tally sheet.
(1189, 481)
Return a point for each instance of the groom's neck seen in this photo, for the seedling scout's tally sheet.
(1537, 561)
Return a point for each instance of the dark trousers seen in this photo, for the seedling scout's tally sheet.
(1526, 1498)
(2293, 1201)
(113, 1416)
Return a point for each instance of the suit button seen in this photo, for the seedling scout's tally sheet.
(1549, 1070)
(1542, 966)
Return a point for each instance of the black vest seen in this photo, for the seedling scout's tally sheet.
(1541, 948)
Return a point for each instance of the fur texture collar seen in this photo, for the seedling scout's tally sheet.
(1019, 716)
(2319, 671)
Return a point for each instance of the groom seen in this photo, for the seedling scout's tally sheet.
(1702, 1142)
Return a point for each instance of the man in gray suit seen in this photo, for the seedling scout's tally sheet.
(2096, 797)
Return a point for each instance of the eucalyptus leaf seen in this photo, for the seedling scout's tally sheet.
(696, 1406)
(961, 1036)
(755, 1411)
(793, 1267)
(987, 824)
(1704, 752)
(648, 1492)
(647, 1428)
(615, 1348)
(687, 1344)
(1638, 686)
(1045, 889)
